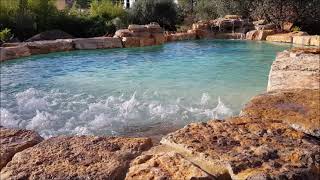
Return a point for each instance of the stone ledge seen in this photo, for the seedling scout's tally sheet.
(248, 149)
(81, 157)
(13, 141)
(97, 43)
(300, 109)
(285, 38)
(59, 45)
(259, 35)
(297, 69)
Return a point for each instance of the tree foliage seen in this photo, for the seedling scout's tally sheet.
(165, 12)
(304, 13)
(26, 18)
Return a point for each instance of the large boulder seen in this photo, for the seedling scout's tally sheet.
(302, 40)
(141, 35)
(45, 47)
(306, 40)
(79, 157)
(247, 149)
(295, 69)
(50, 35)
(97, 43)
(300, 109)
(286, 38)
(259, 35)
(14, 52)
(13, 141)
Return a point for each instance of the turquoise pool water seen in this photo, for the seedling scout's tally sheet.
(133, 91)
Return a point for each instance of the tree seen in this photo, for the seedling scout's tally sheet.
(164, 12)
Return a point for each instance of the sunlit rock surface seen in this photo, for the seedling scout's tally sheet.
(296, 69)
(13, 141)
(286, 37)
(300, 109)
(306, 40)
(165, 165)
(248, 149)
(79, 157)
(259, 35)
(45, 47)
(141, 35)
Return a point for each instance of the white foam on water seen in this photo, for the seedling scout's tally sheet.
(61, 112)
(30, 101)
(8, 119)
(205, 99)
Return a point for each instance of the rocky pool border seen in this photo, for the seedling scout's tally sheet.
(152, 34)
(276, 136)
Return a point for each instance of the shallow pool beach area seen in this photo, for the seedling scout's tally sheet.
(133, 92)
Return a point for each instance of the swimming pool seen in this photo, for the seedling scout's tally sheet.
(134, 91)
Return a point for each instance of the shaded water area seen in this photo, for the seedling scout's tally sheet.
(133, 92)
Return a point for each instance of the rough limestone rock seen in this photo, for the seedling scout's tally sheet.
(154, 28)
(97, 43)
(229, 27)
(300, 109)
(232, 17)
(50, 35)
(159, 38)
(45, 47)
(80, 157)
(147, 42)
(141, 35)
(181, 36)
(123, 33)
(315, 41)
(165, 165)
(307, 40)
(13, 141)
(248, 149)
(7, 53)
(129, 42)
(259, 35)
(297, 69)
(229, 36)
(285, 38)
(137, 28)
(302, 40)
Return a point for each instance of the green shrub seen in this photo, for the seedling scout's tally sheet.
(5, 35)
(295, 29)
(106, 9)
(26, 18)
